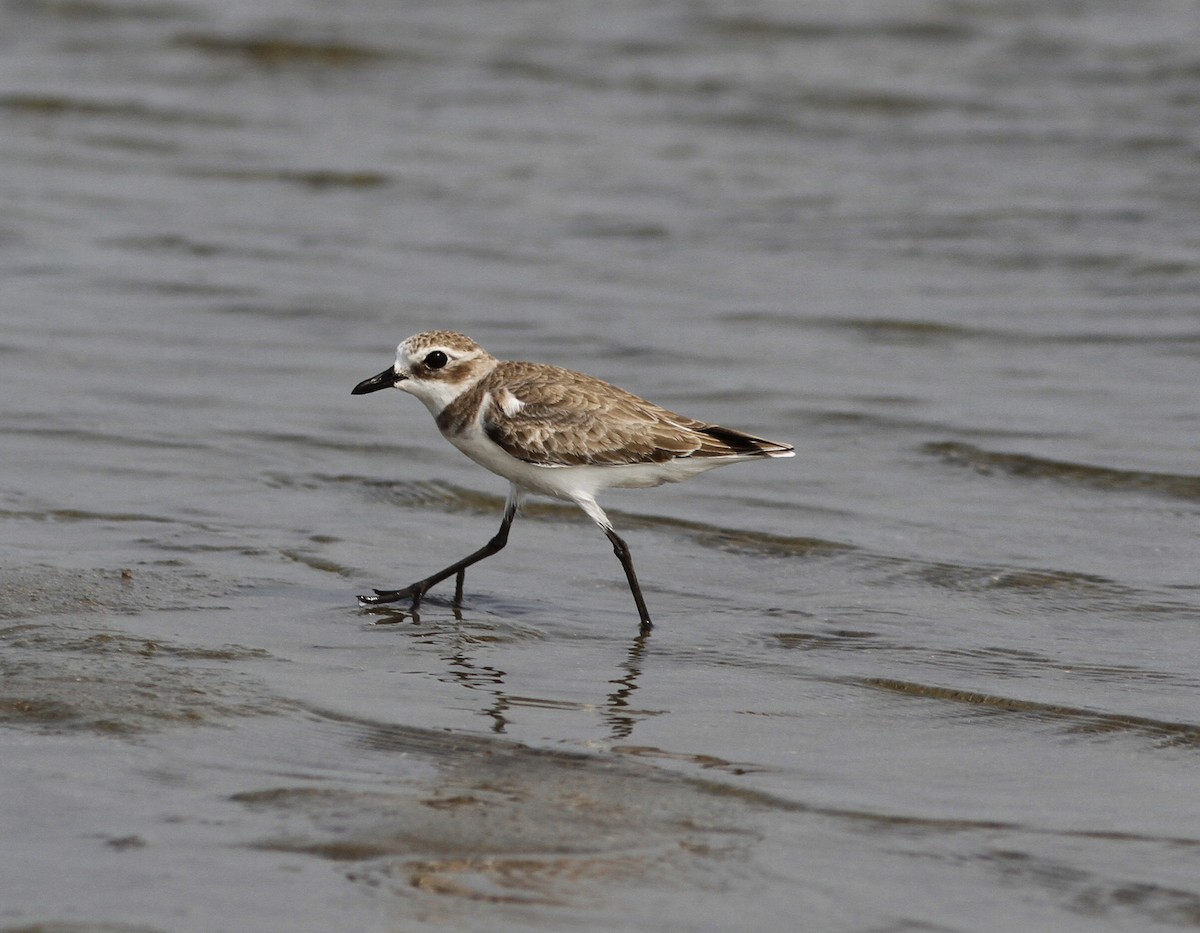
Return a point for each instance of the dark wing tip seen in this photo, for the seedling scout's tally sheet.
(737, 443)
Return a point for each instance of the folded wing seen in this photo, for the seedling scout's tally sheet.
(562, 418)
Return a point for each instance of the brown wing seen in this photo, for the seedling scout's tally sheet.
(566, 418)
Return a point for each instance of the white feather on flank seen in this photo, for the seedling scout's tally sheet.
(509, 403)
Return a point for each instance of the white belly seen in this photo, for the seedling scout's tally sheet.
(569, 482)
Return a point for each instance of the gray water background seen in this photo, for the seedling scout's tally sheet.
(936, 673)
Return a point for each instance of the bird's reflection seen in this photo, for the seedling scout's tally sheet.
(460, 647)
(481, 677)
(620, 718)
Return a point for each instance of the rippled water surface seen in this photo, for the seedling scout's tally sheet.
(938, 672)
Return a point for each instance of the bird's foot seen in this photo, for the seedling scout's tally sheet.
(381, 597)
(417, 590)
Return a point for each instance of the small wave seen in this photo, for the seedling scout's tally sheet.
(1073, 719)
(316, 179)
(275, 52)
(1085, 475)
(65, 105)
(754, 26)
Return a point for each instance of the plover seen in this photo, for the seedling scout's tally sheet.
(552, 431)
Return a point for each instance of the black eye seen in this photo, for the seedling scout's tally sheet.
(436, 359)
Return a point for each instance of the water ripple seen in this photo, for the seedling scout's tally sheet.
(1088, 476)
(1072, 720)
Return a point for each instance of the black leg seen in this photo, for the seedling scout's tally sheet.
(458, 586)
(621, 549)
(458, 569)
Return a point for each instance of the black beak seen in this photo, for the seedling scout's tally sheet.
(385, 380)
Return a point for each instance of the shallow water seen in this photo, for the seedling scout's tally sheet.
(934, 673)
